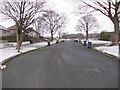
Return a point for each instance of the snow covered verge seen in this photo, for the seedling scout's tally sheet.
(104, 47)
(111, 50)
(11, 51)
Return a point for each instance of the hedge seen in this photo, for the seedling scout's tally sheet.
(106, 36)
(12, 38)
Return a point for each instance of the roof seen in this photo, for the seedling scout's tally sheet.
(12, 27)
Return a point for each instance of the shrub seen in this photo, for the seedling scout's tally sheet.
(12, 38)
(106, 36)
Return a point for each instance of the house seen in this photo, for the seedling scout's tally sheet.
(4, 31)
(34, 33)
(30, 31)
(12, 29)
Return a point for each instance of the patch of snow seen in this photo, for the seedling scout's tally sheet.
(8, 52)
(97, 41)
(105, 48)
(53, 42)
(112, 50)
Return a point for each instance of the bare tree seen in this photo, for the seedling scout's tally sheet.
(87, 23)
(23, 13)
(40, 25)
(109, 8)
(54, 21)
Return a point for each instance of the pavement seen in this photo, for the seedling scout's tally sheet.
(63, 65)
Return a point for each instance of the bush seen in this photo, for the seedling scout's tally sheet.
(3, 38)
(12, 38)
(106, 36)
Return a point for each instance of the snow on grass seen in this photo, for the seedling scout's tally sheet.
(12, 51)
(97, 41)
(8, 52)
(112, 50)
(105, 48)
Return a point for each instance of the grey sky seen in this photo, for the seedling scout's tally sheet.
(69, 8)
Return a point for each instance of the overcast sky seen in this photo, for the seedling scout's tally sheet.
(69, 8)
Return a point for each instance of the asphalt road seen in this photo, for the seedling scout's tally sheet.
(64, 65)
(0, 79)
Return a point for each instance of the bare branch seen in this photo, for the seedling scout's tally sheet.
(87, 23)
(54, 21)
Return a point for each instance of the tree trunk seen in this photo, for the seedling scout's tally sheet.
(116, 33)
(17, 37)
(18, 41)
(86, 31)
(59, 35)
(21, 38)
(51, 35)
(86, 35)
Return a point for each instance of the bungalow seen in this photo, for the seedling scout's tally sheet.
(4, 31)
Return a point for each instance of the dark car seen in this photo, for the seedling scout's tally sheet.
(76, 40)
(62, 41)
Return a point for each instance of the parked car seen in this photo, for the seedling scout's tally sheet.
(76, 40)
(62, 41)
